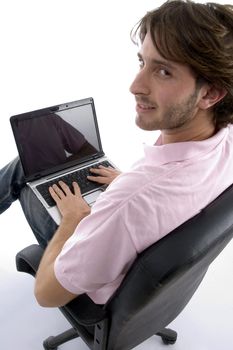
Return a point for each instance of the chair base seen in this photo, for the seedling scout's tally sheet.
(52, 343)
(168, 336)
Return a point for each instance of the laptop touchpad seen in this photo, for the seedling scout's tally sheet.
(91, 197)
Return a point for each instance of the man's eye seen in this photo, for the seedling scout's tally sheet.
(164, 72)
(141, 63)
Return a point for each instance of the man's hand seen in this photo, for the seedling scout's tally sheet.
(71, 205)
(105, 175)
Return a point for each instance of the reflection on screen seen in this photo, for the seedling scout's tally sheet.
(53, 139)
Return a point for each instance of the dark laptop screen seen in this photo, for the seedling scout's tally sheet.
(54, 138)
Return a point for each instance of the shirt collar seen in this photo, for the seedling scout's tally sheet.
(159, 154)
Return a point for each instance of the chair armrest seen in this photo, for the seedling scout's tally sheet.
(81, 310)
(84, 311)
(28, 259)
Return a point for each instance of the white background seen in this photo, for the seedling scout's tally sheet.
(55, 51)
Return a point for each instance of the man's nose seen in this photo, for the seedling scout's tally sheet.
(141, 84)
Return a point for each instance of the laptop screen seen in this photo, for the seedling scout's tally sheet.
(58, 137)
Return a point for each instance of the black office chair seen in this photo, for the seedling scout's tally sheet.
(158, 286)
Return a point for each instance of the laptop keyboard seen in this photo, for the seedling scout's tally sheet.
(80, 176)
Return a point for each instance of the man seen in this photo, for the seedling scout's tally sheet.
(184, 89)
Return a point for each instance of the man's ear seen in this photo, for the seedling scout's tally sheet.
(210, 95)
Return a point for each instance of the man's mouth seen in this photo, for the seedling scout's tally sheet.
(144, 107)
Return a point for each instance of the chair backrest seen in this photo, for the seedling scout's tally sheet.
(165, 276)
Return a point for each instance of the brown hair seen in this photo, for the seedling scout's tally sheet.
(199, 35)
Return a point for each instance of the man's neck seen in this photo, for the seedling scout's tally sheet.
(197, 130)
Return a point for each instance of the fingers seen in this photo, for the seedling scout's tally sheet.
(109, 168)
(102, 171)
(61, 191)
(105, 175)
(76, 187)
(99, 179)
(56, 192)
(64, 188)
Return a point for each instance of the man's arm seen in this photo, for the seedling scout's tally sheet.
(73, 208)
(48, 291)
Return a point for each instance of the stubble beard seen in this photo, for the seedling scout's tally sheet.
(175, 116)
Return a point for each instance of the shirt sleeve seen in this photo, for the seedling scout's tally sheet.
(99, 253)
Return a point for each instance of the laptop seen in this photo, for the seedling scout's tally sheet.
(61, 142)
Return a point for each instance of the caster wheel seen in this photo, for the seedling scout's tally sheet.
(47, 346)
(168, 341)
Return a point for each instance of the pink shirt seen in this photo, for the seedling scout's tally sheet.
(172, 183)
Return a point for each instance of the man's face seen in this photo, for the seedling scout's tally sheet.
(165, 91)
